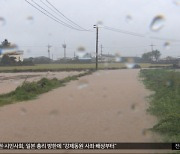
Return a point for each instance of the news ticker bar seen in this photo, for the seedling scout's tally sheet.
(87, 146)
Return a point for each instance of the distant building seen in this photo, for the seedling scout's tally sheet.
(107, 58)
(84, 58)
(17, 54)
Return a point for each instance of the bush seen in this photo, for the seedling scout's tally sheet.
(165, 102)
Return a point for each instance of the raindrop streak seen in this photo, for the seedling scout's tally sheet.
(2, 21)
(128, 19)
(167, 45)
(157, 23)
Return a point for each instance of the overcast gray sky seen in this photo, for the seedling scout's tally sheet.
(32, 31)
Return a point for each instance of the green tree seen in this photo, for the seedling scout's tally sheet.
(150, 56)
(6, 60)
(156, 54)
(147, 56)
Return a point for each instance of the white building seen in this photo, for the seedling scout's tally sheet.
(17, 54)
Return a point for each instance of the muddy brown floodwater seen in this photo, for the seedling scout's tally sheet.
(107, 106)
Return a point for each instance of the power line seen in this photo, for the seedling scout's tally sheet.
(43, 12)
(58, 21)
(152, 45)
(50, 8)
(139, 35)
(60, 13)
(122, 31)
(55, 16)
(164, 39)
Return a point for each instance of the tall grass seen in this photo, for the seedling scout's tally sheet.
(30, 90)
(165, 102)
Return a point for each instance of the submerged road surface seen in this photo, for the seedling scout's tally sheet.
(107, 106)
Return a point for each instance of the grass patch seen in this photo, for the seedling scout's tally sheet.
(165, 102)
(30, 90)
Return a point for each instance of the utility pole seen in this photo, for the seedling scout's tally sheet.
(74, 55)
(49, 46)
(64, 46)
(152, 45)
(97, 30)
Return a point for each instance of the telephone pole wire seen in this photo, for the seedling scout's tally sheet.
(97, 31)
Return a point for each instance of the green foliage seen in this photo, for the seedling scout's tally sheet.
(147, 56)
(6, 60)
(30, 90)
(165, 102)
(150, 56)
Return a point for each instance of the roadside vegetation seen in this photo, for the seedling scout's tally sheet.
(30, 90)
(71, 67)
(165, 102)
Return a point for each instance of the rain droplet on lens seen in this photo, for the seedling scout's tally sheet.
(130, 63)
(167, 45)
(100, 23)
(81, 48)
(8, 45)
(145, 132)
(128, 19)
(81, 52)
(23, 111)
(168, 83)
(119, 113)
(30, 19)
(104, 96)
(106, 64)
(71, 97)
(82, 84)
(177, 2)
(97, 74)
(157, 23)
(2, 21)
(54, 112)
(16, 82)
(134, 106)
(118, 57)
(28, 51)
